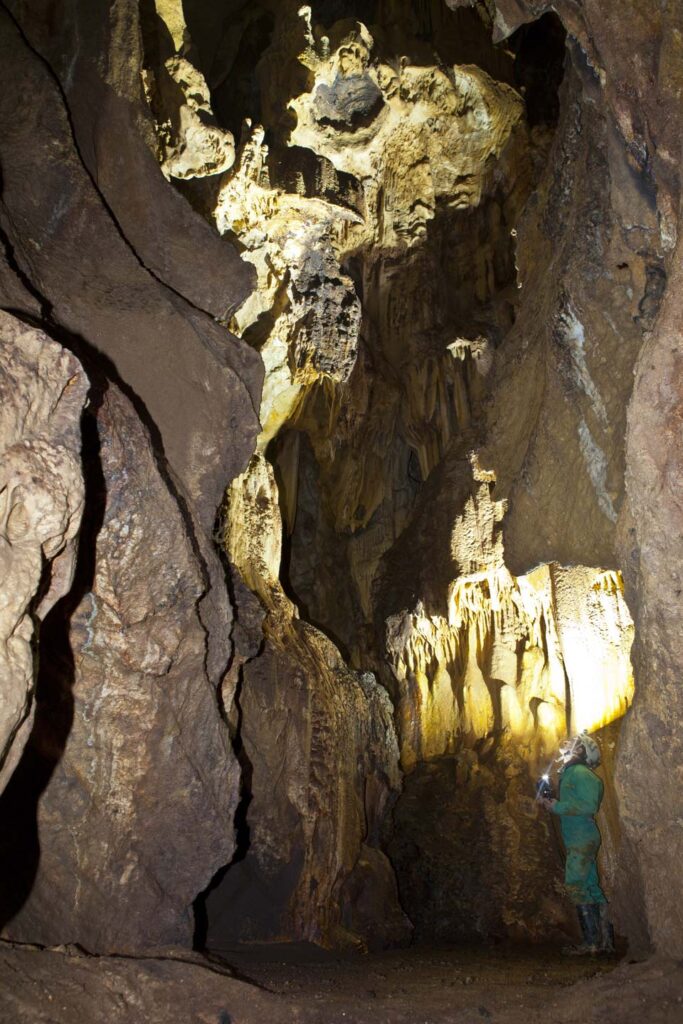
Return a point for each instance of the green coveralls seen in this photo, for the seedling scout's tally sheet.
(580, 796)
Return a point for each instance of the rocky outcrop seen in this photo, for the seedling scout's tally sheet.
(319, 748)
(143, 772)
(43, 390)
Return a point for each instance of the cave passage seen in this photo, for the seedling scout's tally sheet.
(416, 621)
(386, 154)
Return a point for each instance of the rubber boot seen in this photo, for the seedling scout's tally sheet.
(589, 919)
(606, 929)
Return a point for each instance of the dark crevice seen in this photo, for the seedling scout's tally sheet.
(54, 702)
(242, 832)
(12, 262)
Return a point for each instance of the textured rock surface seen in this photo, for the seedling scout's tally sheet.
(127, 731)
(432, 146)
(649, 769)
(442, 985)
(640, 214)
(425, 298)
(42, 393)
(98, 245)
(89, 238)
(63, 986)
(487, 680)
(319, 747)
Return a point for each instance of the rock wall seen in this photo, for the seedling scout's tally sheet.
(142, 770)
(435, 280)
(42, 393)
(123, 805)
(640, 104)
(319, 747)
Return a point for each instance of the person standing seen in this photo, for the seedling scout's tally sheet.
(580, 796)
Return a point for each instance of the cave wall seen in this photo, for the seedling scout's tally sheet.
(103, 254)
(319, 748)
(148, 821)
(43, 391)
(470, 260)
(640, 98)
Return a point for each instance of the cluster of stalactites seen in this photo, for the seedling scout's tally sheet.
(522, 660)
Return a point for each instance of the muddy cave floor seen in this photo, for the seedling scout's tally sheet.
(278, 983)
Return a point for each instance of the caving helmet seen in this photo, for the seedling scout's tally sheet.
(583, 746)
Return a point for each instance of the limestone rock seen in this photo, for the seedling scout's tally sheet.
(107, 274)
(42, 393)
(96, 57)
(320, 751)
(370, 894)
(649, 759)
(195, 147)
(141, 783)
(463, 225)
(472, 857)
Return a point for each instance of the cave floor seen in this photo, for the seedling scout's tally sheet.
(304, 985)
(461, 985)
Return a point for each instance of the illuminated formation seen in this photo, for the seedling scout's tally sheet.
(527, 659)
(511, 658)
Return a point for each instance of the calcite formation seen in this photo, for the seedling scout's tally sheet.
(321, 752)
(514, 656)
(43, 390)
(490, 672)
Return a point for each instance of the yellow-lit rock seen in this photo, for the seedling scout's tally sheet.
(528, 659)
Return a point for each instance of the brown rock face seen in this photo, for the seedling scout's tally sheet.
(639, 101)
(649, 766)
(145, 779)
(97, 245)
(195, 383)
(477, 357)
(42, 393)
